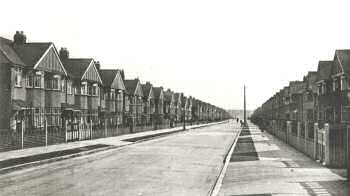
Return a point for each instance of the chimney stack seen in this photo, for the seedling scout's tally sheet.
(19, 38)
(64, 54)
(122, 74)
(98, 65)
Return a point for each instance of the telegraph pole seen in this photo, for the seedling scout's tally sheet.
(245, 113)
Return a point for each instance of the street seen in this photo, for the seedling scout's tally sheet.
(186, 163)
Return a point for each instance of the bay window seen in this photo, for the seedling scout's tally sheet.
(18, 77)
(29, 80)
(343, 83)
(38, 80)
(95, 89)
(84, 88)
(69, 87)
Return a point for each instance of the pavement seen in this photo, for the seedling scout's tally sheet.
(15, 159)
(263, 165)
(186, 163)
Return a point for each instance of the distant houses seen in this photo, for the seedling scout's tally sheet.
(313, 114)
(47, 97)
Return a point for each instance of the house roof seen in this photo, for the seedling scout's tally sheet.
(76, 67)
(324, 70)
(108, 76)
(9, 52)
(168, 95)
(131, 85)
(343, 56)
(157, 92)
(30, 53)
(177, 97)
(146, 89)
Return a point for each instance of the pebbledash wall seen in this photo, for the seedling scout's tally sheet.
(47, 98)
(315, 117)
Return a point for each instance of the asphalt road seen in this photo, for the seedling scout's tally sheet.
(186, 163)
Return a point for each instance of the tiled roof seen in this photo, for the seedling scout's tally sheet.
(183, 100)
(176, 97)
(146, 88)
(157, 91)
(8, 51)
(344, 59)
(324, 70)
(131, 85)
(108, 75)
(76, 67)
(30, 53)
(168, 95)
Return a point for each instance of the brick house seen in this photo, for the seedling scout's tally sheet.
(84, 86)
(133, 103)
(148, 104)
(169, 107)
(324, 85)
(177, 104)
(159, 108)
(33, 82)
(112, 96)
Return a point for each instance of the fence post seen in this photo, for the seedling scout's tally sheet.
(105, 127)
(315, 140)
(65, 130)
(288, 130)
(90, 128)
(348, 152)
(326, 144)
(22, 134)
(45, 126)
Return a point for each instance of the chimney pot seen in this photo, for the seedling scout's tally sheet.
(64, 54)
(19, 38)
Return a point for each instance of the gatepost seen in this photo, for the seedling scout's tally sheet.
(348, 151)
(315, 140)
(298, 135)
(326, 144)
(288, 130)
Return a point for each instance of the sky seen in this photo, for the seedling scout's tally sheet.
(205, 49)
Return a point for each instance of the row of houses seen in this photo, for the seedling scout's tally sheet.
(313, 114)
(48, 97)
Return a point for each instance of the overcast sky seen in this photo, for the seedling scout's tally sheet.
(207, 49)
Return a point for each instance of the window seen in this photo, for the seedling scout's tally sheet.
(310, 114)
(69, 87)
(94, 89)
(343, 83)
(84, 88)
(120, 101)
(55, 83)
(30, 80)
(18, 77)
(345, 114)
(63, 85)
(37, 81)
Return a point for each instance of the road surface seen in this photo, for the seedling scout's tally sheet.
(186, 163)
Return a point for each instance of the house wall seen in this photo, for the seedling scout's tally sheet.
(5, 95)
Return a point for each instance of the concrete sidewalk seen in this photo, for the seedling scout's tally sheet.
(110, 142)
(263, 165)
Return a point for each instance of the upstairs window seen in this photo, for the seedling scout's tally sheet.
(55, 82)
(38, 80)
(69, 87)
(30, 80)
(94, 89)
(18, 77)
(343, 83)
(84, 88)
